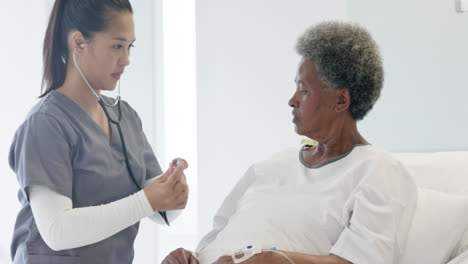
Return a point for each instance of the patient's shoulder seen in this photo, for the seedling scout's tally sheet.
(377, 157)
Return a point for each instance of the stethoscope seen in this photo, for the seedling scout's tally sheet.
(119, 128)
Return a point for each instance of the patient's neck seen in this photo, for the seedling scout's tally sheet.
(335, 144)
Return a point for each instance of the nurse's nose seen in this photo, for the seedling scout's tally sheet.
(125, 59)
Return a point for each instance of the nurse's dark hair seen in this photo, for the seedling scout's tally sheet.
(86, 16)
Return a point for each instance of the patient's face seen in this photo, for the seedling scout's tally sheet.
(313, 105)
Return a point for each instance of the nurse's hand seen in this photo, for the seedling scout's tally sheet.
(170, 190)
(180, 256)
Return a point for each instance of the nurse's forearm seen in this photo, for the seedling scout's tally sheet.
(64, 227)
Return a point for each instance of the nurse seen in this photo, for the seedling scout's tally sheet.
(81, 198)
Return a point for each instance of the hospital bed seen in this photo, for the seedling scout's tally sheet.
(439, 231)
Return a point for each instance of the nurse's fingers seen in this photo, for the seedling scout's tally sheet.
(181, 194)
(180, 183)
(177, 162)
(166, 174)
(181, 206)
(176, 175)
(182, 200)
(180, 161)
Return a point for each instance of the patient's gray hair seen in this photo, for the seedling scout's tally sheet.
(345, 56)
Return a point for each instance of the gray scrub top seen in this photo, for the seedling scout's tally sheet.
(60, 147)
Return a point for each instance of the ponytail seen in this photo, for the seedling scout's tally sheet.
(54, 51)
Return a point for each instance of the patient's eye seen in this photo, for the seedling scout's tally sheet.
(302, 90)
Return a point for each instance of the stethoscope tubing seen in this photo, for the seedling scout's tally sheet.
(117, 124)
(124, 148)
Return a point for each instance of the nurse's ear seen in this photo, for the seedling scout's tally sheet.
(76, 41)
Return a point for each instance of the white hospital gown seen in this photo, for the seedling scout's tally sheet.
(359, 207)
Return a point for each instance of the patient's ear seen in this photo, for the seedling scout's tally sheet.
(343, 100)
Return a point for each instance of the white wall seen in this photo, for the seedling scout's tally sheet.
(424, 44)
(176, 99)
(246, 66)
(22, 24)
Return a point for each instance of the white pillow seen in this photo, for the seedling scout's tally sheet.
(442, 171)
(461, 259)
(437, 226)
(462, 246)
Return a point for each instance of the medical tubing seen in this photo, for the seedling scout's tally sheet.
(124, 148)
(282, 254)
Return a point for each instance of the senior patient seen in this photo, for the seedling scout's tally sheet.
(343, 200)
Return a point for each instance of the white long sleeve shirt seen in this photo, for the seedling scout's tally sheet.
(64, 227)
